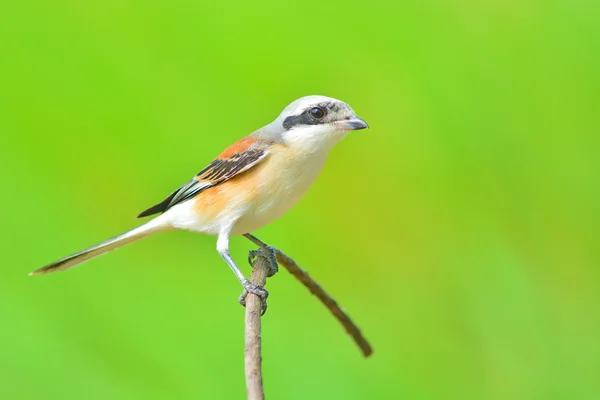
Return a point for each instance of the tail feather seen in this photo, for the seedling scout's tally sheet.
(101, 248)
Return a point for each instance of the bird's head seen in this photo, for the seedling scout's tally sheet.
(315, 123)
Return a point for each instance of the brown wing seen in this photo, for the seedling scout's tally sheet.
(239, 157)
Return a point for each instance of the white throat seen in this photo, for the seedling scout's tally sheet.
(312, 139)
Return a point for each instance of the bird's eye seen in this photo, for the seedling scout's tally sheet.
(317, 112)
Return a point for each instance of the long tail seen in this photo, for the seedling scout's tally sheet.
(73, 260)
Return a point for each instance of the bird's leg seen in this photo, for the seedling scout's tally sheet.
(272, 258)
(249, 287)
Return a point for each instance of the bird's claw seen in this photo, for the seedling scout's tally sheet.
(249, 287)
(258, 290)
(273, 265)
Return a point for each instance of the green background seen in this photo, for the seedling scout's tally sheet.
(461, 232)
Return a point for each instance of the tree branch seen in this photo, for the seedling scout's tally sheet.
(321, 294)
(264, 263)
(254, 308)
(327, 301)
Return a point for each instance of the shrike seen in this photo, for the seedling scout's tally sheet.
(252, 183)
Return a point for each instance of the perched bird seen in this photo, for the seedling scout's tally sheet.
(249, 185)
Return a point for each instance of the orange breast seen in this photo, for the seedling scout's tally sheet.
(262, 194)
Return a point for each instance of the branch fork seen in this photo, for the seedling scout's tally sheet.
(264, 262)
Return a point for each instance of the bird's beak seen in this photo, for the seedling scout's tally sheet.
(352, 123)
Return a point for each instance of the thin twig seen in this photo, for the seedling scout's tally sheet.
(321, 294)
(254, 309)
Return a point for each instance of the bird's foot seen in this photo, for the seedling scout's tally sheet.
(268, 252)
(250, 287)
(258, 290)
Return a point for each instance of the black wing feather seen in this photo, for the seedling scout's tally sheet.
(182, 194)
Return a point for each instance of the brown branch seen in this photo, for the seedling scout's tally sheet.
(254, 309)
(321, 294)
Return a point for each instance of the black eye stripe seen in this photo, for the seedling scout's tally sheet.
(305, 118)
(296, 120)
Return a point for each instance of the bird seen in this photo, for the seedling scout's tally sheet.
(252, 183)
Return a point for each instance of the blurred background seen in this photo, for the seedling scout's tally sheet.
(460, 232)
